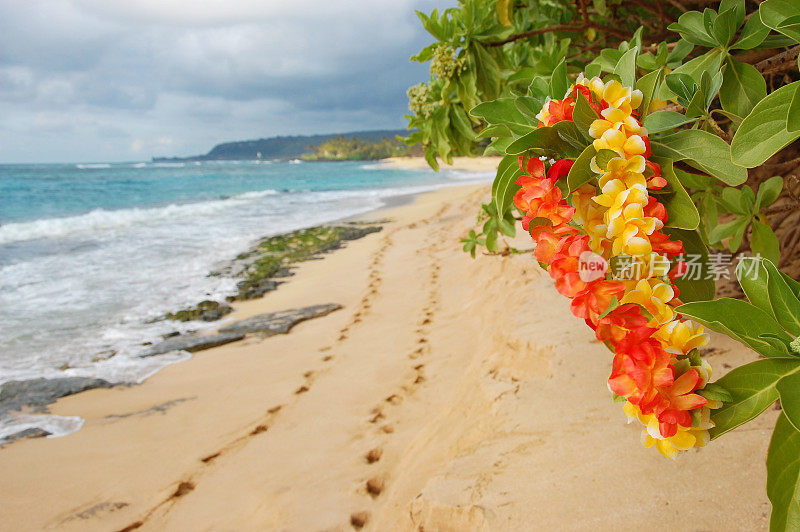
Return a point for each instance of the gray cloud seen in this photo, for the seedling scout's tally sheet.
(123, 80)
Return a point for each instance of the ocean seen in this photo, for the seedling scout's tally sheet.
(92, 255)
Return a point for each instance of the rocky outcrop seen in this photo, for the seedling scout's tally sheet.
(279, 322)
(192, 343)
(253, 289)
(33, 432)
(204, 311)
(38, 393)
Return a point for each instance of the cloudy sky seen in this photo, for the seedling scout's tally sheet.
(122, 80)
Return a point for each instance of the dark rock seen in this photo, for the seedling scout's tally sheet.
(282, 273)
(192, 343)
(205, 311)
(279, 322)
(38, 393)
(33, 432)
(170, 335)
(253, 289)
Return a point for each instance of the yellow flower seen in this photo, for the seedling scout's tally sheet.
(654, 295)
(628, 227)
(630, 172)
(613, 139)
(684, 336)
(620, 97)
(683, 440)
(618, 119)
(594, 84)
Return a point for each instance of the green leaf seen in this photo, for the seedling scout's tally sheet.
(752, 276)
(626, 67)
(752, 35)
(504, 186)
(752, 388)
(764, 242)
(768, 192)
(491, 241)
(529, 106)
(702, 150)
(583, 115)
(649, 85)
(503, 111)
(763, 132)
(580, 173)
(709, 62)
(789, 391)
(683, 85)
(559, 84)
(692, 28)
(507, 227)
(725, 26)
(783, 476)
(577, 139)
(793, 116)
(665, 120)
(487, 70)
(742, 88)
(497, 130)
(544, 140)
(681, 210)
(714, 392)
(785, 304)
(461, 122)
(741, 321)
(698, 286)
(727, 230)
(782, 16)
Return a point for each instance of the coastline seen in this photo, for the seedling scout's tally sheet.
(424, 402)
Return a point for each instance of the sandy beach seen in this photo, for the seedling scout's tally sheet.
(447, 394)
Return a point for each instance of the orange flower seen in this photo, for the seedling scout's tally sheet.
(595, 299)
(640, 366)
(678, 400)
(564, 265)
(547, 239)
(555, 111)
(619, 322)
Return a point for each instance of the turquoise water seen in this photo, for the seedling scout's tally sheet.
(91, 255)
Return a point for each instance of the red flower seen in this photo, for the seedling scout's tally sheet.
(654, 182)
(564, 265)
(678, 399)
(547, 239)
(556, 111)
(595, 299)
(539, 197)
(640, 367)
(559, 169)
(616, 325)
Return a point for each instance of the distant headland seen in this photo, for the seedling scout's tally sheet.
(288, 147)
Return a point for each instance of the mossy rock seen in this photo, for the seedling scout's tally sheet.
(204, 311)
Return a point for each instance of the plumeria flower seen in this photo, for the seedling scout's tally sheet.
(629, 171)
(621, 97)
(683, 335)
(625, 146)
(654, 296)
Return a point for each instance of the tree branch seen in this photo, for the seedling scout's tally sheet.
(779, 62)
(562, 27)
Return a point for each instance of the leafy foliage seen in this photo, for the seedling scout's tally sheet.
(721, 103)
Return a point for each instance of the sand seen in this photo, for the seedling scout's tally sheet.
(448, 394)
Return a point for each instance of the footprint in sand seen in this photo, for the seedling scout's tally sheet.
(359, 519)
(373, 455)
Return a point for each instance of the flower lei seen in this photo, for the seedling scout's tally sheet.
(656, 368)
